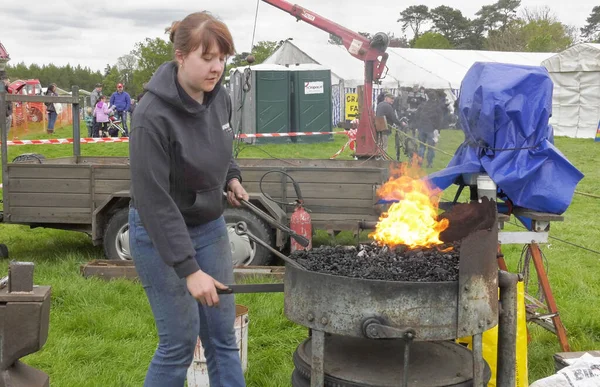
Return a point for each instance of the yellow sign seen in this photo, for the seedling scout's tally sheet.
(351, 106)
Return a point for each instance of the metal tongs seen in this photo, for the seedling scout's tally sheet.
(272, 221)
(241, 228)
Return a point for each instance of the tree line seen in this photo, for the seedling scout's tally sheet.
(501, 26)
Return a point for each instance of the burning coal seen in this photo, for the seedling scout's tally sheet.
(376, 262)
(412, 220)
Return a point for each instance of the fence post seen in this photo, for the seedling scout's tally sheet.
(76, 124)
(4, 140)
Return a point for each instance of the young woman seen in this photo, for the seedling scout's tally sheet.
(181, 163)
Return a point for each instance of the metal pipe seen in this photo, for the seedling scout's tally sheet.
(478, 362)
(507, 329)
(4, 139)
(76, 124)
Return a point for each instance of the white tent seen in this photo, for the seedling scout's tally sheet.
(576, 98)
(432, 69)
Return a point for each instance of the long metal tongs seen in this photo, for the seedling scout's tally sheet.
(241, 228)
(304, 242)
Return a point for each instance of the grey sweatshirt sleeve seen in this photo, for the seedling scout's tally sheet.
(149, 160)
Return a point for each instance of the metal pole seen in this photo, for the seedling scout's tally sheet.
(76, 124)
(317, 372)
(507, 329)
(478, 362)
(4, 139)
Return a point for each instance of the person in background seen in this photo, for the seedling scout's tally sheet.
(94, 97)
(182, 165)
(51, 109)
(429, 120)
(385, 109)
(121, 101)
(131, 110)
(101, 112)
(89, 120)
(6, 83)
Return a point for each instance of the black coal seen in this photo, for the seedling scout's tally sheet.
(382, 263)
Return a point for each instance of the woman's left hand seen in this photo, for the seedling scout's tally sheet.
(235, 192)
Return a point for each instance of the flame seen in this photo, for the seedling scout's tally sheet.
(412, 220)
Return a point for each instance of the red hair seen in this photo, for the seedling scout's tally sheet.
(201, 29)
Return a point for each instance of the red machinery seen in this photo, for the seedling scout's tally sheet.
(371, 52)
(34, 111)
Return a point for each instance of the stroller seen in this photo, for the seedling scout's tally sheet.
(114, 128)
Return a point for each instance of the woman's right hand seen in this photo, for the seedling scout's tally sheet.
(204, 288)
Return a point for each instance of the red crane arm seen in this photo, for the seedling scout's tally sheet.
(357, 45)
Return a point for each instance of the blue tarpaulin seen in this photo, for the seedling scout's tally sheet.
(504, 111)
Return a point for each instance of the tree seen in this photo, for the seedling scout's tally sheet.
(111, 80)
(150, 54)
(432, 40)
(499, 15)
(591, 31)
(450, 23)
(546, 36)
(401, 42)
(127, 65)
(261, 51)
(335, 40)
(414, 17)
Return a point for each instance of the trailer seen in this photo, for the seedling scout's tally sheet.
(91, 195)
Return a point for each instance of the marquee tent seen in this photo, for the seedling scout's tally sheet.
(576, 98)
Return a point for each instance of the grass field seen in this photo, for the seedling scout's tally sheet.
(103, 334)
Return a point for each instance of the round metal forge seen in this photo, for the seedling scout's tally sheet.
(428, 311)
(363, 362)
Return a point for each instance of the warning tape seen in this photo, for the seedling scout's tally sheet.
(351, 143)
(88, 140)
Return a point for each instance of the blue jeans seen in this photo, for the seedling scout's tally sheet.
(179, 317)
(122, 115)
(426, 138)
(51, 121)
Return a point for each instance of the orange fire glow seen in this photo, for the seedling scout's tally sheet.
(412, 220)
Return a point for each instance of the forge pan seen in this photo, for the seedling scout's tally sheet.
(432, 310)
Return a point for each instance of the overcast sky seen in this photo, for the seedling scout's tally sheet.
(97, 33)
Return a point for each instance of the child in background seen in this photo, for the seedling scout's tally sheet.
(101, 113)
(89, 120)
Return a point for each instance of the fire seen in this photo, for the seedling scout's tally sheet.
(412, 220)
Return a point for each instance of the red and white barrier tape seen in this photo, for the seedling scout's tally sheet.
(351, 143)
(125, 139)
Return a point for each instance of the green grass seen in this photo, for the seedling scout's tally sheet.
(103, 334)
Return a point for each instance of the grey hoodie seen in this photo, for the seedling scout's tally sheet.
(181, 160)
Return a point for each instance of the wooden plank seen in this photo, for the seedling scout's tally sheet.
(41, 98)
(110, 186)
(312, 163)
(337, 203)
(50, 200)
(99, 199)
(50, 215)
(107, 270)
(318, 190)
(112, 173)
(49, 185)
(320, 176)
(338, 210)
(45, 171)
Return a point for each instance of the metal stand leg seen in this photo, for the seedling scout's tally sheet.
(317, 374)
(536, 254)
(478, 366)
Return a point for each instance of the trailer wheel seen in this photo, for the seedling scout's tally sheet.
(116, 236)
(244, 251)
(29, 158)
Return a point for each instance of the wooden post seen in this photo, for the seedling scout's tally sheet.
(76, 124)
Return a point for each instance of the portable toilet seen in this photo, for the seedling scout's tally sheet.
(260, 97)
(311, 102)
